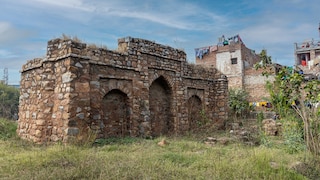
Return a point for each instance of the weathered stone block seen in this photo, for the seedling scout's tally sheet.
(72, 131)
(38, 133)
(40, 122)
(82, 87)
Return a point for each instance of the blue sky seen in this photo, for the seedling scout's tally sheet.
(274, 25)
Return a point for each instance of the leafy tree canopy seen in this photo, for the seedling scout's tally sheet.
(9, 101)
(238, 102)
(265, 59)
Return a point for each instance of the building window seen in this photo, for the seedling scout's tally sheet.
(234, 61)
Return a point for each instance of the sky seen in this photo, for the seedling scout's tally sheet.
(275, 25)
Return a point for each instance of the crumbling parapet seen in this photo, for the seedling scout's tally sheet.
(135, 45)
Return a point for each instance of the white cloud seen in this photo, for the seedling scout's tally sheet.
(156, 18)
(6, 54)
(174, 14)
(4, 27)
(9, 34)
(6, 32)
(69, 4)
(275, 25)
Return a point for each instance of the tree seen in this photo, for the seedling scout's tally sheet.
(284, 90)
(291, 93)
(238, 102)
(9, 101)
(265, 62)
(265, 59)
(309, 113)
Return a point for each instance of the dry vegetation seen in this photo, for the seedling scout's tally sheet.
(133, 158)
(76, 39)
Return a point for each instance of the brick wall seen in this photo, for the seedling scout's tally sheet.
(255, 83)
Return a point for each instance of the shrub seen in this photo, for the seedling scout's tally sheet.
(238, 103)
(9, 101)
(7, 129)
(292, 134)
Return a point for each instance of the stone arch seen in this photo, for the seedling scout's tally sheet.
(160, 96)
(194, 106)
(115, 114)
(108, 84)
(167, 79)
(195, 92)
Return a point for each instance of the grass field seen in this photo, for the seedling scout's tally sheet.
(134, 158)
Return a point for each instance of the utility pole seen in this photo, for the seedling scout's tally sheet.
(5, 76)
(319, 30)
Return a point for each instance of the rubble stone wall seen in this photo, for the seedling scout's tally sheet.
(142, 89)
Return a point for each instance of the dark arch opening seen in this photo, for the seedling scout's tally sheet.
(115, 114)
(160, 107)
(194, 112)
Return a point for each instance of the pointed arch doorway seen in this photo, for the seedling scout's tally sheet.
(160, 97)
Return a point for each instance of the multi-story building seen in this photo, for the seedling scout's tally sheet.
(307, 57)
(232, 58)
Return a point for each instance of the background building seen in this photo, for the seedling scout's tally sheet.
(307, 58)
(231, 57)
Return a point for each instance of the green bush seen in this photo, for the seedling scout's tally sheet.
(7, 129)
(292, 133)
(238, 103)
(9, 101)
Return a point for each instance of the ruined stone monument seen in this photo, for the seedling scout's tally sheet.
(142, 89)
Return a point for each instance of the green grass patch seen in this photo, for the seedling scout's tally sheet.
(144, 159)
(116, 140)
(7, 129)
(136, 158)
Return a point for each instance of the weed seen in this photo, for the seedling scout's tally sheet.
(293, 136)
(260, 117)
(265, 140)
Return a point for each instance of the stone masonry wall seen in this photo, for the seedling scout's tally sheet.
(142, 89)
